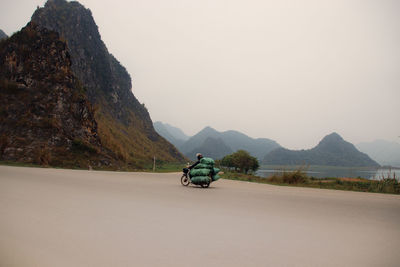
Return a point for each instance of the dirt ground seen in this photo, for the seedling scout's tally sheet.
(52, 217)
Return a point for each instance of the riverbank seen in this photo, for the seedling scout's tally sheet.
(318, 171)
(300, 178)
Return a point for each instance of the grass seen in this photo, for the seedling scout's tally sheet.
(170, 167)
(20, 164)
(317, 168)
(300, 178)
(77, 164)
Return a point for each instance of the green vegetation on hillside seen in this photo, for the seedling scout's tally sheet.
(131, 145)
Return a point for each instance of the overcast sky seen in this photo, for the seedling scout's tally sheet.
(292, 71)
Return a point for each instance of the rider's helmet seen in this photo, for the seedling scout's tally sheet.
(199, 156)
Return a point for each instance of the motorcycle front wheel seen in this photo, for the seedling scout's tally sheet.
(185, 180)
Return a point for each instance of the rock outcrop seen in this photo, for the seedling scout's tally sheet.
(45, 115)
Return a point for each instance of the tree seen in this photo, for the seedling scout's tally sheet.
(240, 160)
(227, 161)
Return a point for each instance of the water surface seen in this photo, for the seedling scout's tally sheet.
(330, 171)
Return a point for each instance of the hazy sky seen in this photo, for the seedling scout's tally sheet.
(292, 71)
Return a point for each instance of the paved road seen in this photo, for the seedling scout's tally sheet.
(69, 218)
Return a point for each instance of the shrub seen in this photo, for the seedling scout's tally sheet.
(80, 146)
(8, 87)
(294, 177)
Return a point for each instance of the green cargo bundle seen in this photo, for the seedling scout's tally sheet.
(200, 179)
(207, 161)
(202, 166)
(216, 176)
(200, 172)
(204, 172)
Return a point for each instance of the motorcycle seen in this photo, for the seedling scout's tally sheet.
(185, 179)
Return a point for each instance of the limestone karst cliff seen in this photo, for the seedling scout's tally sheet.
(57, 71)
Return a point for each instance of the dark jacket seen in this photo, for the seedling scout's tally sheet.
(193, 165)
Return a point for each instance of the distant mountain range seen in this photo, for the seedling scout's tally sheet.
(173, 134)
(3, 35)
(332, 150)
(217, 144)
(211, 147)
(384, 152)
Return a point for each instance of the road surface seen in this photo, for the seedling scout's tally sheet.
(52, 217)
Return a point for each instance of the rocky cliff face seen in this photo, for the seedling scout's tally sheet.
(124, 124)
(45, 115)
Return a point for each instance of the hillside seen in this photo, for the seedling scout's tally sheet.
(124, 124)
(384, 152)
(173, 134)
(45, 117)
(332, 150)
(231, 139)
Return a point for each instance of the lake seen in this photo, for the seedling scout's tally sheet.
(331, 171)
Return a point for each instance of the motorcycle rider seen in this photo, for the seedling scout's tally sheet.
(199, 157)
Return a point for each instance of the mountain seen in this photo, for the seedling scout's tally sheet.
(256, 147)
(212, 147)
(197, 141)
(232, 139)
(3, 35)
(176, 132)
(45, 116)
(384, 152)
(173, 134)
(332, 150)
(124, 124)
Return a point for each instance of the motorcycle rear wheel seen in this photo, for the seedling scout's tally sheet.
(205, 185)
(185, 180)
